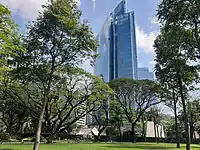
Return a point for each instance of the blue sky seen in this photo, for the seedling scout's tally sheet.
(95, 11)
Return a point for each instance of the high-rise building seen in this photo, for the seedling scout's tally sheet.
(118, 53)
(145, 74)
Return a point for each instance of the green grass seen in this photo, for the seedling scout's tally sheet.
(101, 146)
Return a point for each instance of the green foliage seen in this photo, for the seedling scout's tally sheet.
(134, 97)
(4, 136)
(9, 40)
(56, 42)
(170, 127)
(183, 13)
(177, 49)
(193, 108)
(171, 58)
(174, 69)
(117, 117)
(58, 35)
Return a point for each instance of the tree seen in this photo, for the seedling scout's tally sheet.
(170, 127)
(79, 93)
(193, 108)
(135, 97)
(12, 115)
(116, 116)
(56, 40)
(154, 114)
(173, 67)
(172, 103)
(101, 117)
(9, 40)
(197, 124)
(144, 120)
(184, 14)
(194, 116)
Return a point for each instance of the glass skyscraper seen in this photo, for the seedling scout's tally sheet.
(118, 53)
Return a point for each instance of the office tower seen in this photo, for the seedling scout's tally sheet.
(118, 54)
(145, 74)
(82, 121)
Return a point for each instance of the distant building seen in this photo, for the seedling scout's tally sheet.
(145, 74)
(117, 39)
(82, 121)
(150, 132)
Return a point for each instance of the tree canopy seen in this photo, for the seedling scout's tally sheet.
(9, 40)
(135, 97)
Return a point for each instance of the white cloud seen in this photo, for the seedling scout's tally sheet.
(94, 4)
(152, 63)
(145, 40)
(87, 67)
(154, 21)
(27, 9)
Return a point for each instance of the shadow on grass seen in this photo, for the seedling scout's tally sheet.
(141, 146)
(192, 147)
(7, 149)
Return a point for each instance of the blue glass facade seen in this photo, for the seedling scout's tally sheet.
(118, 54)
(102, 64)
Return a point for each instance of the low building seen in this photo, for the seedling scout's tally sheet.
(150, 132)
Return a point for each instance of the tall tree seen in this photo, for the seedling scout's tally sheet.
(172, 65)
(9, 40)
(183, 14)
(55, 40)
(135, 97)
(172, 103)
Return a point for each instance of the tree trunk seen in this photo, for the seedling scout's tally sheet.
(9, 130)
(99, 137)
(176, 122)
(144, 129)
(50, 139)
(154, 125)
(158, 136)
(195, 139)
(39, 127)
(120, 133)
(192, 130)
(133, 133)
(186, 122)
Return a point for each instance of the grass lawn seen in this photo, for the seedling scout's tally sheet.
(102, 146)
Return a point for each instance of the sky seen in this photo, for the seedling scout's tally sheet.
(96, 11)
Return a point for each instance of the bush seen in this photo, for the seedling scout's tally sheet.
(4, 136)
(42, 139)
